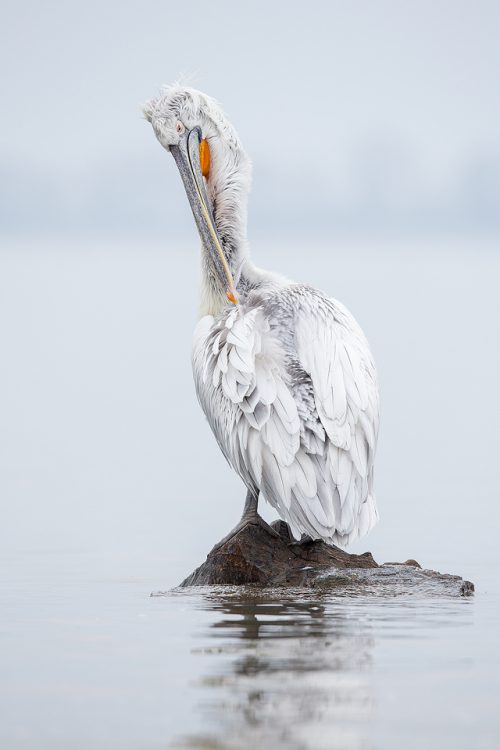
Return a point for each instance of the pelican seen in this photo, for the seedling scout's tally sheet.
(283, 373)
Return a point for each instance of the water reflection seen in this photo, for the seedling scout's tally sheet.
(295, 670)
(288, 673)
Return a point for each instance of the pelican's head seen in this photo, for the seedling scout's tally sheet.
(205, 147)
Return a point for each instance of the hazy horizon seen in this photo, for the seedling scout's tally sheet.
(378, 118)
(374, 132)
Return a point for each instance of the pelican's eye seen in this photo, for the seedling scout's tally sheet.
(205, 158)
(180, 127)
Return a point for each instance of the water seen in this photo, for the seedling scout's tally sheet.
(91, 660)
(112, 489)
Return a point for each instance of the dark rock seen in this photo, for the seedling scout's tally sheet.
(412, 563)
(254, 556)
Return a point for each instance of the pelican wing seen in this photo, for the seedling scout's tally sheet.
(334, 353)
(289, 421)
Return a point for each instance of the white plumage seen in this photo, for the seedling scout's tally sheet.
(285, 377)
(295, 415)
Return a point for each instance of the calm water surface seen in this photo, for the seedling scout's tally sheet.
(112, 487)
(96, 662)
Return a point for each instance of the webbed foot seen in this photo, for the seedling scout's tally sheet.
(252, 519)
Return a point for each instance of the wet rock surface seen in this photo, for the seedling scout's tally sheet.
(255, 557)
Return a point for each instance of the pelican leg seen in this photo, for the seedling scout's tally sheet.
(250, 516)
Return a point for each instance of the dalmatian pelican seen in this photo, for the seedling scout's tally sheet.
(283, 373)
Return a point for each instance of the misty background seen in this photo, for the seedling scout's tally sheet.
(374, 130)
(363, 116)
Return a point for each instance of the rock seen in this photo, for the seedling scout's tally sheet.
(254, 556)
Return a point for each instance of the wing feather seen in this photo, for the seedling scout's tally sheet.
(334, 353)
(291, 395)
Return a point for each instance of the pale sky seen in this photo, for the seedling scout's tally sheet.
(346, 105)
